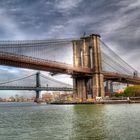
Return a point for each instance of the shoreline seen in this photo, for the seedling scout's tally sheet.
(95, 102)
(99, 102)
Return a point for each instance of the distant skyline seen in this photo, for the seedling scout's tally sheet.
(117, 21)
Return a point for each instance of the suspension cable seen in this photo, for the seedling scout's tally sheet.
(17, 79)
(48, 78)
(118, 56)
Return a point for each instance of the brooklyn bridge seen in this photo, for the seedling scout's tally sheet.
(91, 63)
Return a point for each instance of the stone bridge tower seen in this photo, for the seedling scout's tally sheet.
(87, 54)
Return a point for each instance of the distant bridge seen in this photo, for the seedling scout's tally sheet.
(35, 82)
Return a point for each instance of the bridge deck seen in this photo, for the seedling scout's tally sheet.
(36, 88)
(10, 59)
(121, 78)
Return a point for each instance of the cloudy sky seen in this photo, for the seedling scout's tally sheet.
(117, 21)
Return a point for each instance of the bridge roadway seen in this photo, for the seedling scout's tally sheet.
(116, 77)
(21, 61)
(36, 88)
(10, 59)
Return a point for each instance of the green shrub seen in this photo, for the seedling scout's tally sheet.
(119, 95)
(133, 91)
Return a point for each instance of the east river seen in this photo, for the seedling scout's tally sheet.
(29, 121)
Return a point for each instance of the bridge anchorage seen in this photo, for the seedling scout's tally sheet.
(95, 66)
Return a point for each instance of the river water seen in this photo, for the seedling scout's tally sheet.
(29, 121)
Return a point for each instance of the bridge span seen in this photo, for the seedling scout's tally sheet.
(94, 63)
(10, 59)
(35, 82)
(116, 77)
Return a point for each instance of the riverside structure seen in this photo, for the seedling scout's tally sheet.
(94, 63)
